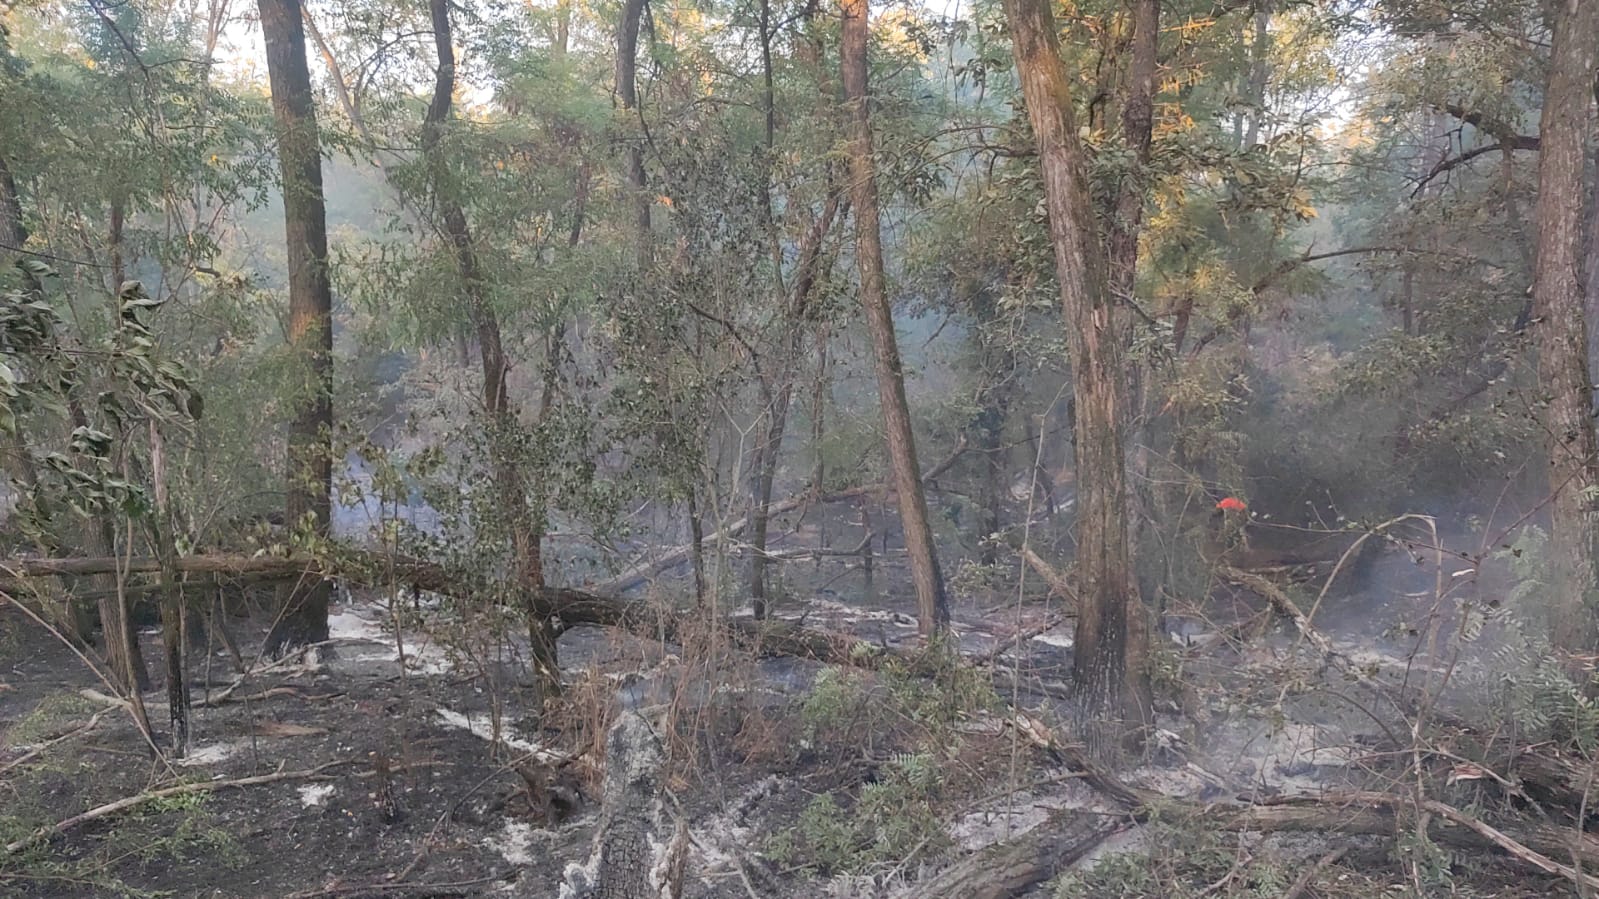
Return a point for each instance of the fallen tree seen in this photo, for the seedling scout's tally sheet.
(571, 606)
(1011, 867)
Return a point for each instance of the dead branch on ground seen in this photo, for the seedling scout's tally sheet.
(128, 802)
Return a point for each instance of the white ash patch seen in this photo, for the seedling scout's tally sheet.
(350, 625)
(1293, 757)
(835, 613)
(483, 729)
(1064, 641)
(1132, 840)
(315, 795)
(725, 832)
(514, 843)
(209, 755)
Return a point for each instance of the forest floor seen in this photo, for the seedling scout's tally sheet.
(427, 781)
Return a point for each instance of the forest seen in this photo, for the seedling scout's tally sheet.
(762, 449)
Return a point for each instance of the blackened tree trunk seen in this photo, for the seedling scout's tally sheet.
(1095, 343)
(523, 522)
(931, 599)
(304, 618)
(174, 610)
(1561, 334)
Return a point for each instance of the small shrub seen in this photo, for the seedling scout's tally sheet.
(891, 819)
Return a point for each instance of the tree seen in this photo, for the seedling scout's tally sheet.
(524, 523)
(304, 619)
(1561, 334)
(1101, 663)
(932, 603)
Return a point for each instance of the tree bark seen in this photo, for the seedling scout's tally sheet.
(304, 619)
(627, 94)
(1591, 274)
(1138, 126)
(1099, 382)
(1012, 867)
(931, 599)
(1561, 333)
(173, 607)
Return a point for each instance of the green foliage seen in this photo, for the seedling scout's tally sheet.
(890, 819)
(1511, 672)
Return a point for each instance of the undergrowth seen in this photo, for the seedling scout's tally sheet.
(908, 710)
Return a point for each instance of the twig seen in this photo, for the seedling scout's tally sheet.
(45, 747)
(121, 805)
(227, 692)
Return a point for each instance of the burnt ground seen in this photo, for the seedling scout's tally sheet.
(418, 793)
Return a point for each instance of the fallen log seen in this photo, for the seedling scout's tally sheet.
(1533, 844)
(571, 606)
(1012, 867)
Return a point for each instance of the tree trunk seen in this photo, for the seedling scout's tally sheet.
(997, 361)
(627, 94)
(807, 273)
(1591, 272)
(304, 619)
(1138, 125)
(173, 606)
(563, 27)
(1259, 71)
(1561, 335)
(18, 461)
(1095, 343)
(931, 600)
(524, 524)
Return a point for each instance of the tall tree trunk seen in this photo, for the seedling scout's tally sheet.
(119, 638)
(1591, 273)
(808, 272)
(932, 602)
(1259, 70)
(563, 27)
(1561, 334)
(304, 619)
(627, 94)
(18, 461)
(1138, 125)
(997, 363)
(173, 607)
(795, 303)
(524, 523)
(1094, 341)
